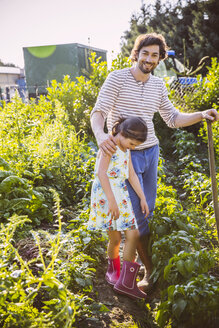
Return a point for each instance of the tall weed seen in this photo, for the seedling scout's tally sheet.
(46, 287)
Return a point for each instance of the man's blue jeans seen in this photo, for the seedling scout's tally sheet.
(145, 163)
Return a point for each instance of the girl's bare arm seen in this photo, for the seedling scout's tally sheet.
(104, 180)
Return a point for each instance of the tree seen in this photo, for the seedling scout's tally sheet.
(203, 32)
(194, 21)
(8, 64)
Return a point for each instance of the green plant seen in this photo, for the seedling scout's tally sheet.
(193, 304)
(50, 153)
(166, 247)
(49, 289)
(206, 95)
(179, 234)
(18, 196)
(78, 98)
(215, 133)
(183, 266)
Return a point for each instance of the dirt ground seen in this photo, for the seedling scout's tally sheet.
(123, 311)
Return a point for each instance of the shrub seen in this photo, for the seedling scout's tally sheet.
(193, 304)
(46, 285)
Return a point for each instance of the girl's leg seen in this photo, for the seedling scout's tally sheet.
(114, 244)
(126, 284)
(113, 270)
(131, 241)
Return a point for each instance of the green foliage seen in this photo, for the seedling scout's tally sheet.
(78, 98)
(49, 289)
(185, 144)
(193, 21)
(164, 134)
(189, 71)
(215, 133)
(46, 145)
(193, 304)
(120, 62)
(46, 279)
(181, 234)
(18, 196)
(193, 176)
(206, 94)
(45, 149)
(165, 248)
(199, 187)
(183, 266)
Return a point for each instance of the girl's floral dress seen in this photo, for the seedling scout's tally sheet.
(117, 173)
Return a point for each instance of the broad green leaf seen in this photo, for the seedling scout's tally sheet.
(189, 265)
(9, 182)
(4, 164)
(5, 174)
(181, 268)
(178, 307)
(167, 271)
(170, 290)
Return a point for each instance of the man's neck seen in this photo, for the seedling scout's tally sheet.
(138, 75)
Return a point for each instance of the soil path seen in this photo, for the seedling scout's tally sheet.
(123, 311)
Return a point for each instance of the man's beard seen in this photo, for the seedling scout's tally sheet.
(146, 70)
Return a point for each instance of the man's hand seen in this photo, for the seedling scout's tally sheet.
(210, 114)
(107, 144)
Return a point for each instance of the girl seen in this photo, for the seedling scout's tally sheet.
(111, 209)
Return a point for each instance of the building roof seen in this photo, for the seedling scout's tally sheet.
(9, 70)
(66, 44)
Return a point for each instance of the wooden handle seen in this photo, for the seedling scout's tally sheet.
(213, 174)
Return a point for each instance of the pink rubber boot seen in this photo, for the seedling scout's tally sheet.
(127, 281)
(113, 270)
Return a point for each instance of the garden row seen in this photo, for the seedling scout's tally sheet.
(184, 240)
(47, 257)
(184, 235)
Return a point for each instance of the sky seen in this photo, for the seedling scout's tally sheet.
(25, 23)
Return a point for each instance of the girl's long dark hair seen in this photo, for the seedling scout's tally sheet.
(132, 127)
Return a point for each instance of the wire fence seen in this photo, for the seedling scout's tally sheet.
(181, 91)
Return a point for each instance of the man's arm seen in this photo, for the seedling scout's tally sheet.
(97, 125)
(105, 142)
(176, 119)
(186, 119)
(105, 102)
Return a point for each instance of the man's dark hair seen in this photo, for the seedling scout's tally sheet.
(149, 39)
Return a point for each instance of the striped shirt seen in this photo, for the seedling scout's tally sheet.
(122, 96)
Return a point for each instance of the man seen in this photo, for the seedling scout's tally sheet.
(136, 92)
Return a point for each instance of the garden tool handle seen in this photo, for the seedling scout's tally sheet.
(213, 174)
